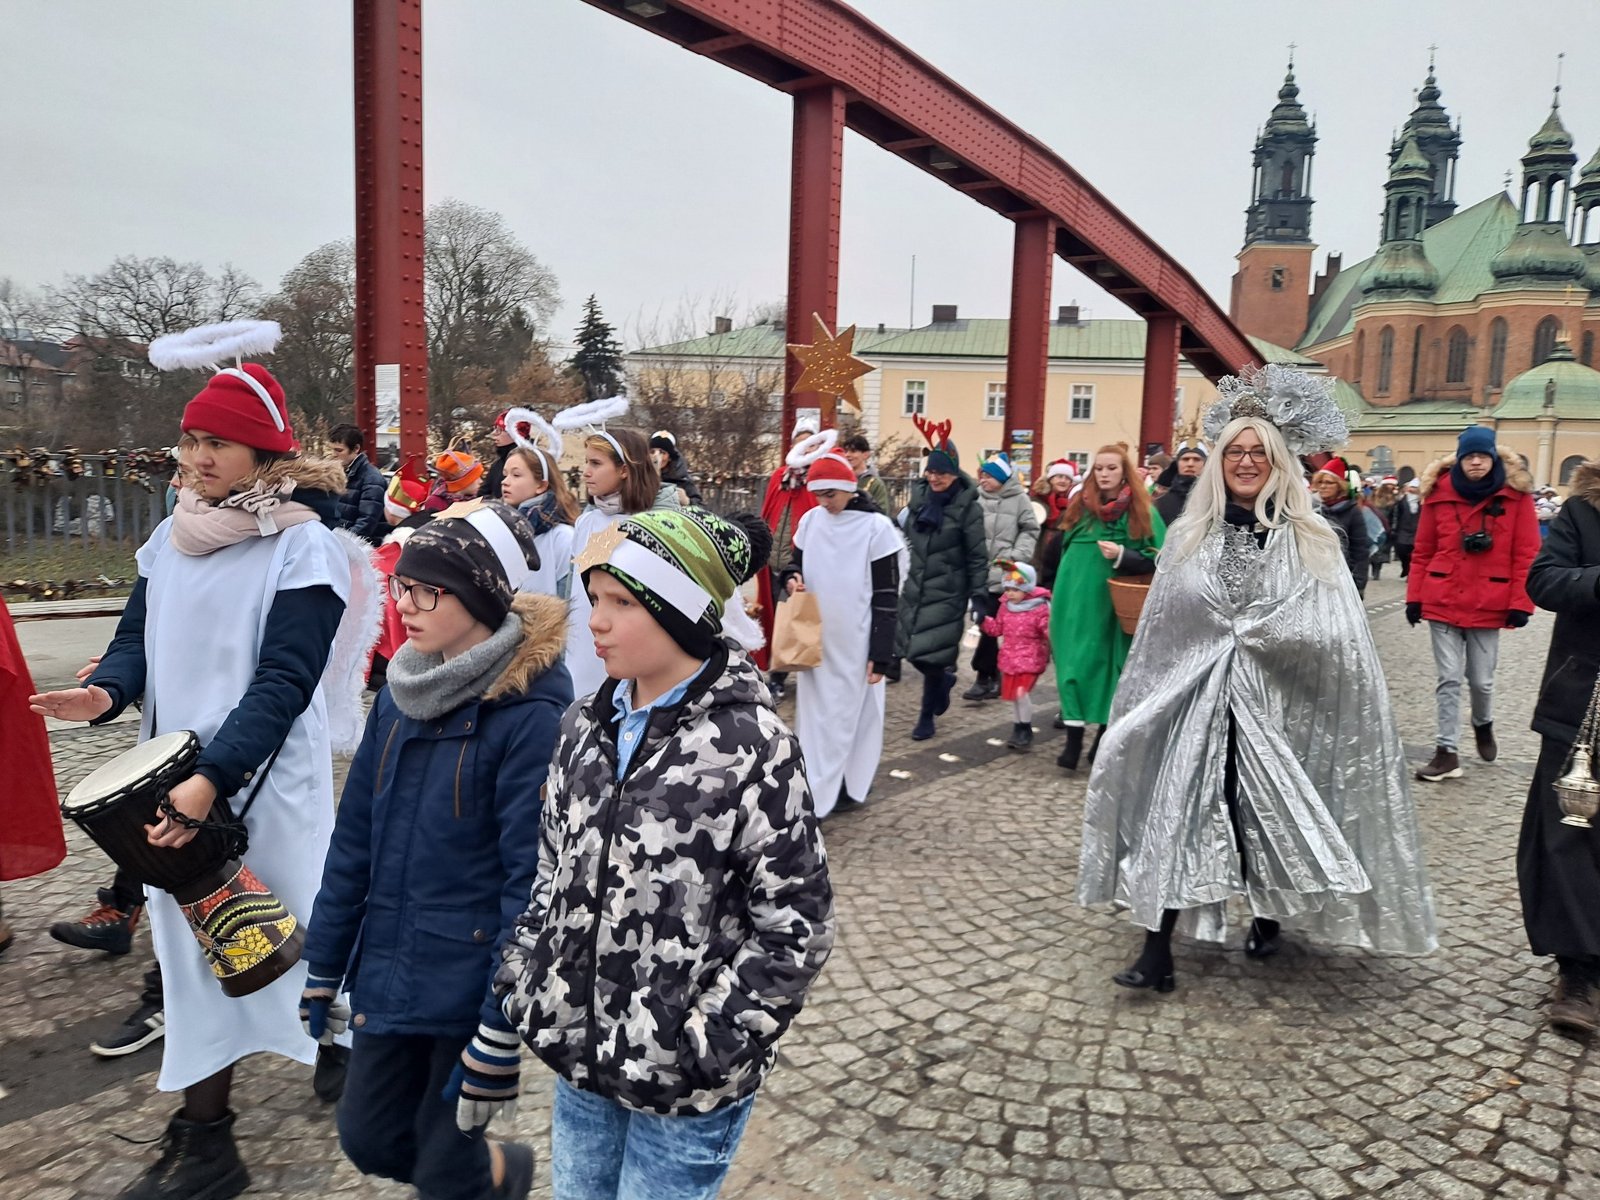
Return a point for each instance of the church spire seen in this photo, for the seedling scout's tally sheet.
(1539, 253)
(1280, 208)
(1438, 141)
(1401, 267)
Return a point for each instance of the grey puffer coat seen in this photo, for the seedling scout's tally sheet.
(949, 568)
(680, 913)
(1010, 527)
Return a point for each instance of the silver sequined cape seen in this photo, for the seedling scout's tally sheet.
(1325, 810)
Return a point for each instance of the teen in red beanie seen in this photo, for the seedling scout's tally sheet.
(243, 404)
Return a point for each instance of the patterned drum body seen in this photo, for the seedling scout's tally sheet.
(249, 938)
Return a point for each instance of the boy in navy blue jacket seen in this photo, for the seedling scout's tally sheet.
(432, 859)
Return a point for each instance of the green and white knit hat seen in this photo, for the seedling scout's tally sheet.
(682, 565)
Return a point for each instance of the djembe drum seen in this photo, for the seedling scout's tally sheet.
(249, 938)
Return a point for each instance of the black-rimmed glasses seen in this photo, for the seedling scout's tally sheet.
(1238, 454)
(424, 596)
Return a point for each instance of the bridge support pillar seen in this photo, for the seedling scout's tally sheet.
(1033, 254)
(391, 342)
(814, 197)
(1160, 382)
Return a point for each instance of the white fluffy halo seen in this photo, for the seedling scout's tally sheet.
(814, 447)
(594, 413)
(539, 428)
(209, 345)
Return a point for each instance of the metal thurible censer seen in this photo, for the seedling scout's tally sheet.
(1576, 790)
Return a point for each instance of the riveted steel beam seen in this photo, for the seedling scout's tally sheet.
(1028, 352)
(815, 184)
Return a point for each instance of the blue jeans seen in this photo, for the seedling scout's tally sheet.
(600, 1150)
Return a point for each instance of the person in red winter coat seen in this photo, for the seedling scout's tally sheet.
(1022, 624)
(1477, 535)
(786, 500)
(31, 841)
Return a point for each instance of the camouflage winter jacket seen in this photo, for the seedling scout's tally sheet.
(678, 915)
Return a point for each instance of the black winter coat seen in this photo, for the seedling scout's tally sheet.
(1170, 503)
(1351, 523)
(949, 568)
(361, 505)
(1403, 522)
(1565, 578)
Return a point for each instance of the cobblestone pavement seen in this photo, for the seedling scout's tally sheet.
(965, 1039)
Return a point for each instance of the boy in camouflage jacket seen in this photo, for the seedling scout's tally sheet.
(682, 905)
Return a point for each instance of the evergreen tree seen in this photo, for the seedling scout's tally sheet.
(598, 362)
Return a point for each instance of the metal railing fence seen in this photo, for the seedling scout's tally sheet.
(80, 518)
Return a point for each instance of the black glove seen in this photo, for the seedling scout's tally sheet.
(1414, 611)
(978, 606)
(1516, 620)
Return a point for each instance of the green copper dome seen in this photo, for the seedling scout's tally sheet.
(1576, 390)
(1538, 254)
(1399, 269)
(1552, 135)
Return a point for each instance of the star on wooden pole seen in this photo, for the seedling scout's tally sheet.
(827, 365)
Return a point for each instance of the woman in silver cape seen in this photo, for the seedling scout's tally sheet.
(1252, 749)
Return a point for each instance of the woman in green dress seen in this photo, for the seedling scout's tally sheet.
(1110, 528)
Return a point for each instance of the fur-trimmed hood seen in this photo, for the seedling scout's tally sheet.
(544, 640)
(313, 474)
(1517, 476)
(1586, 482)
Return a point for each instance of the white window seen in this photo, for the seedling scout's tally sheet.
(1082, 402)
(916, 398)
(1079, 459)
(1177, 399)
(994, 402)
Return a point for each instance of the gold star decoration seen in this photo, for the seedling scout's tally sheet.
(597, 550)
(828, 366)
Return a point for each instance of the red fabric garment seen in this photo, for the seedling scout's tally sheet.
(779, 502)
(392, 635)
(1473, 591)
(31, 841)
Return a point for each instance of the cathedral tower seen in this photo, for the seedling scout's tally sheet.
(1439, 144)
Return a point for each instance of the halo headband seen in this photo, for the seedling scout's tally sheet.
(504, 544)
(813, 448)
(516, 419)
(255, 386)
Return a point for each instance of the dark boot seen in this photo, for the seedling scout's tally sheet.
(980, 690)
(1153, 968)
(198, 1162)
(106, 928)
(1070, 753)
(923, 730)
(946, 684)
(1575, 1008)
(1446, 764)
(1488, 748)
(1021, 737)
(1100, 732)
(1262, 940)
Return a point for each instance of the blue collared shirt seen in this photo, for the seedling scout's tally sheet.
(632, 722)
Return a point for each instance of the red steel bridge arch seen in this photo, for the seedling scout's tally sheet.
(843, 72)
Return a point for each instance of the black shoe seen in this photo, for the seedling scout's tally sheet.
(1488, 748)
(143, 1025)
(978, 692)
(1058, 723)
(1262, 940)
(945, 684)
(923, 730)
(1021, 737)
(1068, 758)
(1094, 749)
(1137, 976)
(327, 1078)
(107, 928)
(1446, 764)
(199, 1161)
(518, 1179)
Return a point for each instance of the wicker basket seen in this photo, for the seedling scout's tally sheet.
(1127, 601)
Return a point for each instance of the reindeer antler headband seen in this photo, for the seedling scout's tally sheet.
(935, 433)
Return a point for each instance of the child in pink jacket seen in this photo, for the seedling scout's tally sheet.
(1023, 626)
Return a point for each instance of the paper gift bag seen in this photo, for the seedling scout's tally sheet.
(797, 634)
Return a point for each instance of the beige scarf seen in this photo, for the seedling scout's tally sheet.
(199, 527)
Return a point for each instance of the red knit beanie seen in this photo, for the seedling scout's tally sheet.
(230, 408)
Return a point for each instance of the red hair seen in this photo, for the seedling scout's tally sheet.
(1090, 499)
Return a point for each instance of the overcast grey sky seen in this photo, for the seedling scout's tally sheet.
(642, 173)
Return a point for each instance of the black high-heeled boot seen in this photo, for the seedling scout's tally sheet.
(1153, 968)
(1262, 940)
(1073, 750)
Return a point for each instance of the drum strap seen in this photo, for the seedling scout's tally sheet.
(232, 826)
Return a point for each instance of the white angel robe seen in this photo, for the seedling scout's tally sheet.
(838, 715)
(205, 619)
(583, 664)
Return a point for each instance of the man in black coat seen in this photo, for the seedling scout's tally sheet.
(1178, 481)
(1403, 519)
(1558, 866)
(361, 505)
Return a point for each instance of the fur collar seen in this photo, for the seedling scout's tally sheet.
(1586, 482)
(544, 639)
(1517, 475)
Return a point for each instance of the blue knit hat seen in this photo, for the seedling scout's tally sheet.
(998, 467)
(945, 460)
(1476, 439)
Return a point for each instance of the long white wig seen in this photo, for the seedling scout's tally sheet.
(1285, 503)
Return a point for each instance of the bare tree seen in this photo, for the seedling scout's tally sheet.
(487, 299)
(315, 305)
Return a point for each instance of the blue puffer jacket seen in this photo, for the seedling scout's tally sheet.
(361, 505)
(437, 843)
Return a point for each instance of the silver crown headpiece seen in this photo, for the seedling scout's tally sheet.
(1299, 405)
